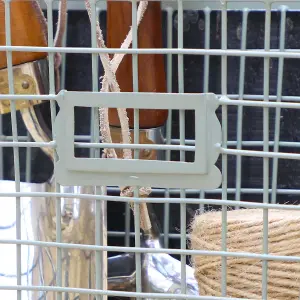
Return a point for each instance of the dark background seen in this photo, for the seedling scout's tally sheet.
(79, 78)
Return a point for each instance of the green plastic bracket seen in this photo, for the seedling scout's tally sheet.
(201, 174)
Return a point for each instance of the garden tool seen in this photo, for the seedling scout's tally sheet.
(39, 215)
(161, 273)
(77, 222)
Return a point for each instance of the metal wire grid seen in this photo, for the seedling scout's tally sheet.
(226, 100)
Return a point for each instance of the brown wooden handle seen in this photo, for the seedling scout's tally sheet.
(150, 66)
(26, 30)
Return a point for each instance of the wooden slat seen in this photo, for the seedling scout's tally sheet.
(151, 69)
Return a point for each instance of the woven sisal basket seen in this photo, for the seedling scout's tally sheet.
(245, 234)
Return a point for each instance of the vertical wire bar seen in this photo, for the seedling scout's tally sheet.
(15, 139)
(137, 217)
(240, 108)
(278, 109)
(94, 129)
(53, 115)
(1, 149)
(135, 73)
(94, 111)
(100, 206)
(51, 54)
(98, 12)
(28, 160)
(93, 114)
(224, 144)
(266, 149)
(182, 142)
(63, 57)
(127, 224)
(169, 121)
(95, 85)
(207, 12)
(135, 133)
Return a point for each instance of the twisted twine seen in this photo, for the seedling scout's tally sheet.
(61, 28)
(109, 84)
(245, 234)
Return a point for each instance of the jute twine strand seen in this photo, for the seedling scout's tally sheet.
(245, 234)
(61, 28)
(109, 84)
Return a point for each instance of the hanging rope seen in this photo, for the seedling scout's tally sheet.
(60, 31)
(109, 84)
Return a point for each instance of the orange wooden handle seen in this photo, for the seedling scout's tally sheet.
(26, 30)
(150, 66)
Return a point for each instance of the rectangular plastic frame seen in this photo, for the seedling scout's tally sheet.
(70, 170)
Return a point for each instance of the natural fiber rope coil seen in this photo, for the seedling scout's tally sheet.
(245, 234)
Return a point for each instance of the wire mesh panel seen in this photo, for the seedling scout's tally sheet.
(80, 241)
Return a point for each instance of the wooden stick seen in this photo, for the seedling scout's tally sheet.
(150, 66)
(26, 30)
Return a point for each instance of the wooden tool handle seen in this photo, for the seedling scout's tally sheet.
(26, 30)
(150, 66)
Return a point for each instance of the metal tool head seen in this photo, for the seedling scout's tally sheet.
(38, 224)
(40, 218)
(161, 273)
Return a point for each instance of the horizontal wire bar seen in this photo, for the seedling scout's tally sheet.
(244, 143)
(252, 153)
(112, 189)
(273, 53)
(173, 142)
(239, 1)
(135, 146)
(226, 101)
(265, 257)
(10, 138)
(261, 97)
(214, 4)
(235, 152)
(112, 293)
(28, 97)
(132, 234)
(99, 145)
(252, 191)
(150, 200)
(230, 96)
(28, 144)
(218, 191)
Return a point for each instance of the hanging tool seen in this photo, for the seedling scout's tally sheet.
(160, 272)
(39, 215)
